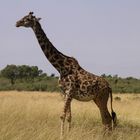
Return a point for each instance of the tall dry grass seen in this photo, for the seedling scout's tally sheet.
(35, 116)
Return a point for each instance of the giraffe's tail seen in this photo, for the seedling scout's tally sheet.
(114, 116)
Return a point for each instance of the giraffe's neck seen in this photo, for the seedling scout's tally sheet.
(56, 58)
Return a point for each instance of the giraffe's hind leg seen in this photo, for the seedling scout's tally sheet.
(101, 102)
(106, 119)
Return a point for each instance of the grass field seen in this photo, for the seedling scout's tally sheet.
(35, 116)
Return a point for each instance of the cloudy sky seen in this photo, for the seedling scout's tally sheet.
(103, 35)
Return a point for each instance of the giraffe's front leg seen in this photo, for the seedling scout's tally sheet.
(67, 104)
(69, 117)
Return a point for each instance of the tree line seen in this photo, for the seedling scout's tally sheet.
(31, 78)
(27, 78)
(13, 72)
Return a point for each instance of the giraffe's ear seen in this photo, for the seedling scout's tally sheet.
(38, 19)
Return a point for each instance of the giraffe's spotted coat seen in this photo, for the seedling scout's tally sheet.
(75, 82)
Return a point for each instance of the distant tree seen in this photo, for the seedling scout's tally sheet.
(34, 72)
(115, 77)
(10, 72)
(52, 75)
(24, 72)
(109, 76)
(103, 75)
(41, 72)
(28, 72)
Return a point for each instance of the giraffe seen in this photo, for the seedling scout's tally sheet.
(75, 82)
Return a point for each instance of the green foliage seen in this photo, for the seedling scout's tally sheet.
(28, 72)
(123, 85)
(27, 78)
(23, 72)
(30, 78)
(39, 84)
(10, 72)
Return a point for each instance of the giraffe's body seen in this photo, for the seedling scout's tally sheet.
(75, 82)
(84, 86)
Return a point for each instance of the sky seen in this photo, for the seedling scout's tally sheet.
(103, 35)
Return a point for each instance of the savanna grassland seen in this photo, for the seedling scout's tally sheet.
(35, 116)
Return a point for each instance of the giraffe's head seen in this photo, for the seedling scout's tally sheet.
(28, 21)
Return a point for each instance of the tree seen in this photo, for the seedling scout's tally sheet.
(10, 72)
(52, 75)
(28, 72)
(34, 72)
(22, 72)
(103, 75)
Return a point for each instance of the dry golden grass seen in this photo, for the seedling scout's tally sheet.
(35, 116)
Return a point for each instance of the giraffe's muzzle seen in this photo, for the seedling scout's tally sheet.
(17, 24)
